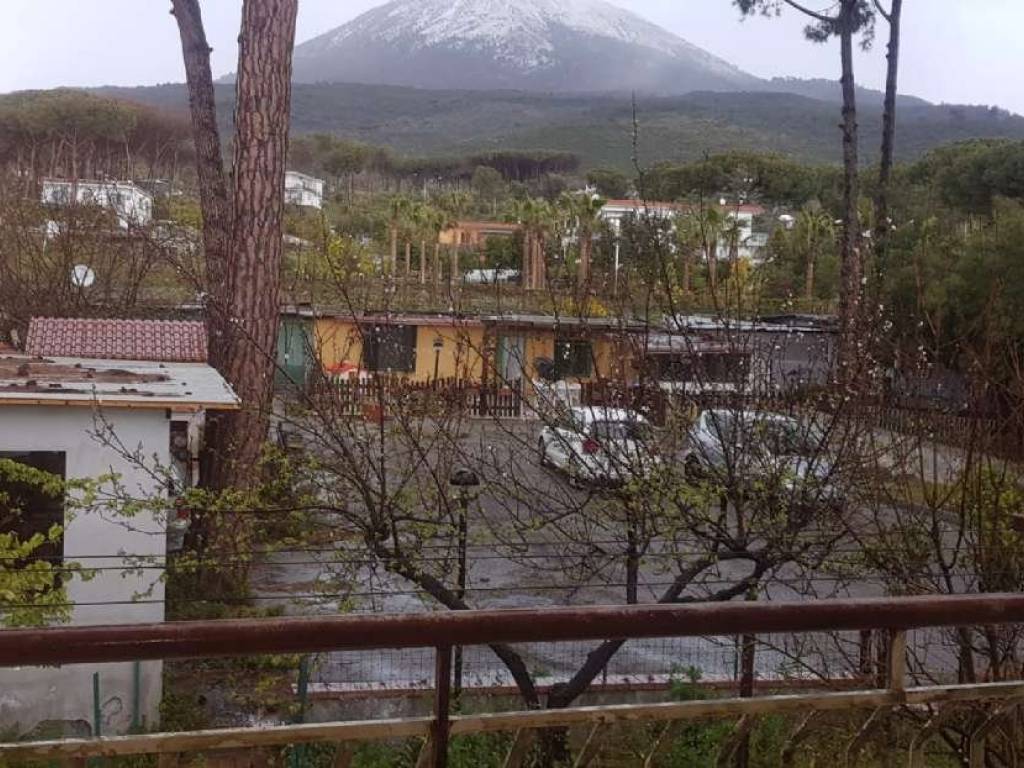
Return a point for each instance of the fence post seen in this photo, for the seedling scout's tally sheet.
(898, 663)
(866, 659)
(297, 753)
(748, 649)
(136, 695)
(97, 716)
(442, 705)
(97, 725)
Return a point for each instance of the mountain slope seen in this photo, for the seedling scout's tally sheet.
(533, 45)
(831, 90)
(599, 127)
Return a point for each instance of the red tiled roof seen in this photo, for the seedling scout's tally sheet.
(170, 341)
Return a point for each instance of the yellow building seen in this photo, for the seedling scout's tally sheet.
(417, 347)
(574, 348)
(474, 234)
(499, 350)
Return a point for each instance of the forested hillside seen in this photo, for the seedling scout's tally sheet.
(599, 127)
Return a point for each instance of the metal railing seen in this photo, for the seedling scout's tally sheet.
(446, 631)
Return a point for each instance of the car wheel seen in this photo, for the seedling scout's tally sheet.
(542, 450)
(692, 469)
(575, 472)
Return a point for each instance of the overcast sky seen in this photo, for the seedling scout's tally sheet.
(965, 51)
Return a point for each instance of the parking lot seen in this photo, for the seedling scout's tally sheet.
(576, 555)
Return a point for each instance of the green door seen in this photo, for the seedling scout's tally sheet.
(294, 352)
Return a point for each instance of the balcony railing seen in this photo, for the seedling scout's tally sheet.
(446, 632)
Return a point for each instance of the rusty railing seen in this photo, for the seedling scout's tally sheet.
(446, 631)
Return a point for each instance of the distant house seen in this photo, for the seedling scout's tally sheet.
(53, 413)
(474, 234)
(132, 205)
(749, 244)
(303, 190)
(615, 211)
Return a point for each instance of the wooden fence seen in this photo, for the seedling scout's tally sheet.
(377, 397)
(987, 433)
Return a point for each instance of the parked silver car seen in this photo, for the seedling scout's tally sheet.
(593, 444)
(771, 449)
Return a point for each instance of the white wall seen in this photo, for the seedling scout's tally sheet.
(303, 190)
(133, 205)
(31, 695)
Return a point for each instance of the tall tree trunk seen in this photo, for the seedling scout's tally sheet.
(809, 278)
(213, 188)
(423, 262)
(586, 247)
(263, 101)
(454, 277)
(539, 269)
(888, 132)
(393, 260)
(852, 265)
(408, 257)
(524, 278)
(437, 263)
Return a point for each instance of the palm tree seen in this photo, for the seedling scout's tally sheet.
(813, 229)
(584, 214)
(424, 217)
(440, 220)
(714, 225)
(535, 215)
(688, 240)
(517, 212)
(399, 208)
(454, 205)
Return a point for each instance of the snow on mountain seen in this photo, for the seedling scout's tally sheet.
(570, 45)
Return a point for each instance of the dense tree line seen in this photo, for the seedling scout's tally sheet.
(76, 134)
(345, 161)
(771, 178)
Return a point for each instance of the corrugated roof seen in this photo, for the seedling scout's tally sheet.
(569, 322)
(28, 380)
(172, 341)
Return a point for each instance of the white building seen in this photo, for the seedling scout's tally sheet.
(52, 413)
(132, 204)
(304, 190)
(749, 244)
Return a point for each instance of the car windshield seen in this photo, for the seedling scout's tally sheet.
(758, 434)
(620, 430)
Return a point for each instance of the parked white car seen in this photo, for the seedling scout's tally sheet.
(594, 444)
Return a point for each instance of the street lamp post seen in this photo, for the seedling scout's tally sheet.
(463, 480)
(438, 346)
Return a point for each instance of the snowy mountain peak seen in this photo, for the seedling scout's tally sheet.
(556, 44)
